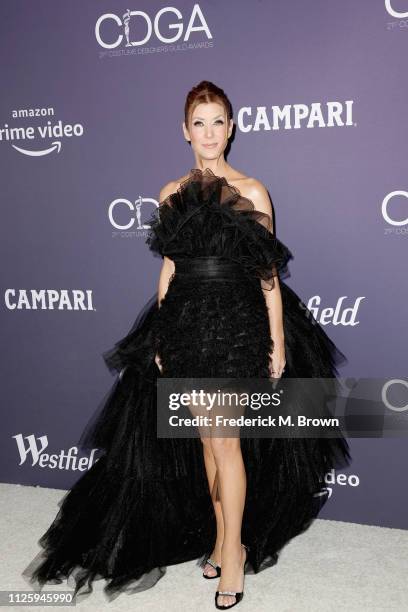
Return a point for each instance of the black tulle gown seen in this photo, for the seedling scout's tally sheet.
(145, 504)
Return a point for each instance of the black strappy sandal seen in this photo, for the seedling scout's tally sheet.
(215, 566)
(237, 594)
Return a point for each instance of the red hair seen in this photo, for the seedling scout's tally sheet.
(205, 92)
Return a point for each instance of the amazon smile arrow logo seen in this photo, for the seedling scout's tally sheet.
(56, 146)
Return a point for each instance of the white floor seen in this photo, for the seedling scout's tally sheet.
(332, 566)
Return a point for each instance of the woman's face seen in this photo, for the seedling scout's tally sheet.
(208, 130)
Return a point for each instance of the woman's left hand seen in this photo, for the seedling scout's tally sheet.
(277, 359)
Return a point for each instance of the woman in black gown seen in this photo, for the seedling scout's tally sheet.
(221, 311)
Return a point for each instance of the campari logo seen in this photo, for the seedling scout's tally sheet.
(48, 299)
(296, 116)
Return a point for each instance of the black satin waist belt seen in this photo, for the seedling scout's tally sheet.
(211, 266)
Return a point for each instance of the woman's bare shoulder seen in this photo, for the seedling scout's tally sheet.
(167, 190)
(182, 179)
(171, 187)
(250, 187)
(255, 191)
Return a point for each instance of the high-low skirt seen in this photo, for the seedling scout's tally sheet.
(145, 504)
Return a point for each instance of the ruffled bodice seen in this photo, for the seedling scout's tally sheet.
(207, 216)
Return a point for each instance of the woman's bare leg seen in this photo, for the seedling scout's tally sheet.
(232, 488)
(211, 470)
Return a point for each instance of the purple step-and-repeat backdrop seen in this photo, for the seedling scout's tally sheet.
(90, 130)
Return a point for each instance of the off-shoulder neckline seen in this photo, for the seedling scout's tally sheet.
(224, 182)
(209, 172)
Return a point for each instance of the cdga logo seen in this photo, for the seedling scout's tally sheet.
(133, 213)
(393, 12)
(385, 211)
(386, 399)
(196, 23)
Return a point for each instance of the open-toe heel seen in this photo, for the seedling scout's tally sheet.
(237, 594)
(215, 566)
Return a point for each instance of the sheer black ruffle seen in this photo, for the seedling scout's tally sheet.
(208, 216)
